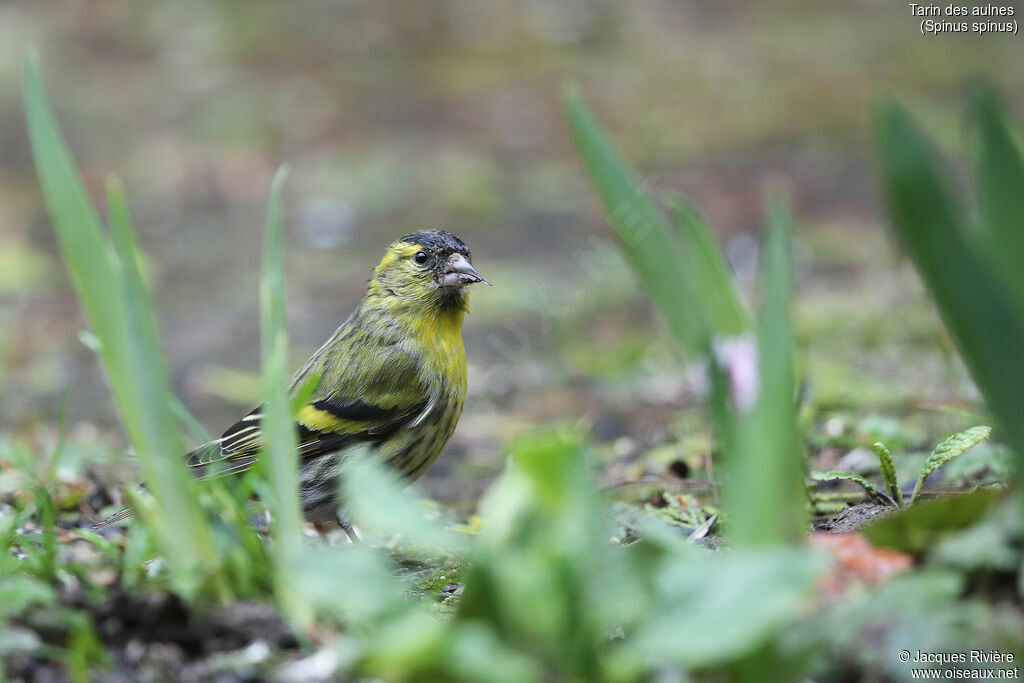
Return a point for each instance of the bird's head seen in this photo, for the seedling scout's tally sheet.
(429, 268)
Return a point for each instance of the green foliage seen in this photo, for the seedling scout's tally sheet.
(546, 595)
(864, 632)
(116, 303)
(888, 473)
(916, 528)
(833, 475)
(700, 596)
(950, 448)
(999, 172)
(278, 424)
(764, 461)
(684, 276)
(684, 273)
(973, 272)
(543, 557)
(222, 557)
(374, 496)
(703, 261)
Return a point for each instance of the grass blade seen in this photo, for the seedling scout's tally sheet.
(765, 502)
(651, 250)
(189, 422)
(155, 434)
(704, 261)
(116, 304)
(977, 308)
(278, 426)
(1000, 182)
(80, 237)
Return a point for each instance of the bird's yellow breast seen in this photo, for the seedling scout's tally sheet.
(440, 337)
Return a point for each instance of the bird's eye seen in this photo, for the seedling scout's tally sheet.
(420, 257)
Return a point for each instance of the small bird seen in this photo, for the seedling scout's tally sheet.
(392, 379)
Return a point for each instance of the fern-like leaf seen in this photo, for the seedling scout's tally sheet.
(949, 449)
(888, 473)
(832, 475)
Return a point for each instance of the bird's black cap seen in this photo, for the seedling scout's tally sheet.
(437, 241)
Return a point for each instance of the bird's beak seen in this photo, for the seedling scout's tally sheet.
(459, 272)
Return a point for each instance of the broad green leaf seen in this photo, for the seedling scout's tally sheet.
(833, 475)
(916, 528)
(977, 307)
(950, 448)
(680, 296)
(475, 649)
(352, 582)
(999, 169)
(888, 473)
(991, 544)
(376, 501)
(542, 574)
(701, 595)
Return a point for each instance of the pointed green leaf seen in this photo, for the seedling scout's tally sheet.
(116, 304)
(888, 473)
(155, 434)
(81, 240)
(950, 448)
(705, 263)
(977, 307)
(281, 462)
(833, 475)
(999, 167)
(653, 252)
(765, 501)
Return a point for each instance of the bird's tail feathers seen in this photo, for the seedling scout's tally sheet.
(124, 513)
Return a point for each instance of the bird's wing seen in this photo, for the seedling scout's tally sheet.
(366, 391)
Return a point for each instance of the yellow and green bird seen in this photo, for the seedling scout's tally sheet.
(392, 378)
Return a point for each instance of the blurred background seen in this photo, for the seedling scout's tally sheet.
(396, 115)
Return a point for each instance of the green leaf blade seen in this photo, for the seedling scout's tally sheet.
(977, 308)
(705, 263)
(950, 448)
(281, 466)
(999, 169)
(834, 475)
(155, 435)
(116, 303)
(651, 250)
(888, 473)
(765, 463)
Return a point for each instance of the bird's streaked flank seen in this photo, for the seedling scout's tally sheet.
(392, 379)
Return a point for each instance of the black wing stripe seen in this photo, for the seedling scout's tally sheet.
(383, 430)
(358, 410)
(238, 447)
